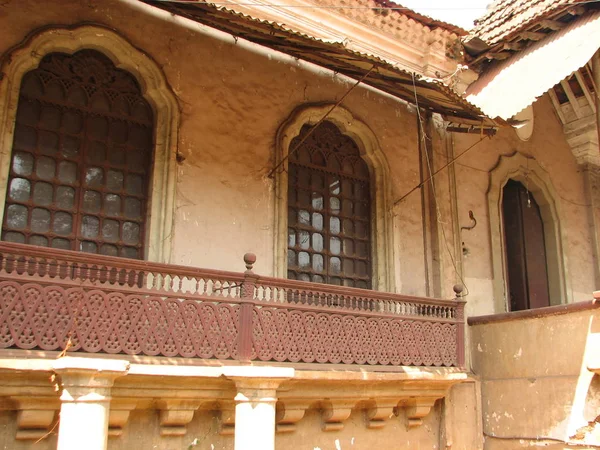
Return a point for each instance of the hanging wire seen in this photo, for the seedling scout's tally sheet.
(424, 139)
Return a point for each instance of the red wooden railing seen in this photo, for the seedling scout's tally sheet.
(51, 299)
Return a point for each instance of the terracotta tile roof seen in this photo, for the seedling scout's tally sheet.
(507, 17)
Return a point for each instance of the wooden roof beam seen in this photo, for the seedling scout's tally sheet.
(554, 25)
(531, 35)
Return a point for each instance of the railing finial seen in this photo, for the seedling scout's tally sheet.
(249, 259)
(458, 290)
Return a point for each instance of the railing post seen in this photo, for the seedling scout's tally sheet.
(246, 307)
(460, 325)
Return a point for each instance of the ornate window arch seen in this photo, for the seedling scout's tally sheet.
(381, 252)
(530, 174)
(154, 90)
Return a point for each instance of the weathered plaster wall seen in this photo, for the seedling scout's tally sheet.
(535, 383)
(232, 103)
(549, 149)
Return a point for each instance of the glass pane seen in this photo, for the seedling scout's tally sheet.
(116, 155)
(360, 191)
(16, 217)
(347, 208)
(88, 247)
(361, 249)
(43, 193)
(45, 168)
(131, 233)
(140, 137)
(94, 176)
(96, 152)
(348, 247)
(90, 227)
(304, 277)
(11, 236)
(22, 163)
(317, 264)
(317, 201)
(335, 265)
(39, 240)
(67, 172)
(48, 142)
(334, 205)
(292, 216)
(348, 227)
(291, 237)
(69, 147)
(347, 188)
(362, 209)
(63, 244)
(40, 220)
(65, 197)
(129, 252)
(317, 279)
(318, 181)
(19, 190)
(348, 267)
(118, 132)
(303, 260)
(133, 208)
(109, 250)
(72, 122)
(317, 221)
(303, 239)
(92, 201)
(335, 245)
(97, 127)
(335, 281)
(136, 158)
(110, 230)
(133, 185)
(291, 258)
(334, 225)
(317, 242)
(28, 112)
(303, 198)
(114, 180)
(334, 186)
(25, 137)
(361, 268)
(63, 224)
(303, 217)
(361, 229)
(112, 204)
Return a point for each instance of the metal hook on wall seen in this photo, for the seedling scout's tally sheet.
(473, 222)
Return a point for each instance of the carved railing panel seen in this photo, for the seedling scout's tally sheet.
(52, 300)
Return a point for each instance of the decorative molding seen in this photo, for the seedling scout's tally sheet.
(175, 416)
(227, 418)
(417, 408)
(155, 90)
(379, 411)
(289, 413)
(119, 416)
(382, 226)
(35, 416)
(335, 412)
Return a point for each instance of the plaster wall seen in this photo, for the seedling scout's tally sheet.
(548, 150)
(535, 382)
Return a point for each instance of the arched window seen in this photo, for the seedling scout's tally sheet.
(524, 238)
(329, 211)
(81, 158)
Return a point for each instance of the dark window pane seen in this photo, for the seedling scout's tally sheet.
(19, 190)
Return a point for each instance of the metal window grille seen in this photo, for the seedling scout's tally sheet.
(329, 236)
(81, 158)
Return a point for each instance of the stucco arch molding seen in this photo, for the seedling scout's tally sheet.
(382, 245)
(527, 171)
(155, 89)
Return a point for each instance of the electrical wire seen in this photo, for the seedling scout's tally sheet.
(424, 139)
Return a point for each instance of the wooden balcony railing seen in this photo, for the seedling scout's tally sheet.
(54, 299)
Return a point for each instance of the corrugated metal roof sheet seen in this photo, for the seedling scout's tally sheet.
(507, 17)
(433, 94)
(517, 82)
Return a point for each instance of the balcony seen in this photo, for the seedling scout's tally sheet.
(55, 300)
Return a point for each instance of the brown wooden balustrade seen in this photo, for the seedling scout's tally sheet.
(51, 299)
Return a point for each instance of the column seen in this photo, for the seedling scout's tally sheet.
(85, 400)
(255, 405)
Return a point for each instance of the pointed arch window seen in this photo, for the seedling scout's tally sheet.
(81, 158)
(329, 210)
